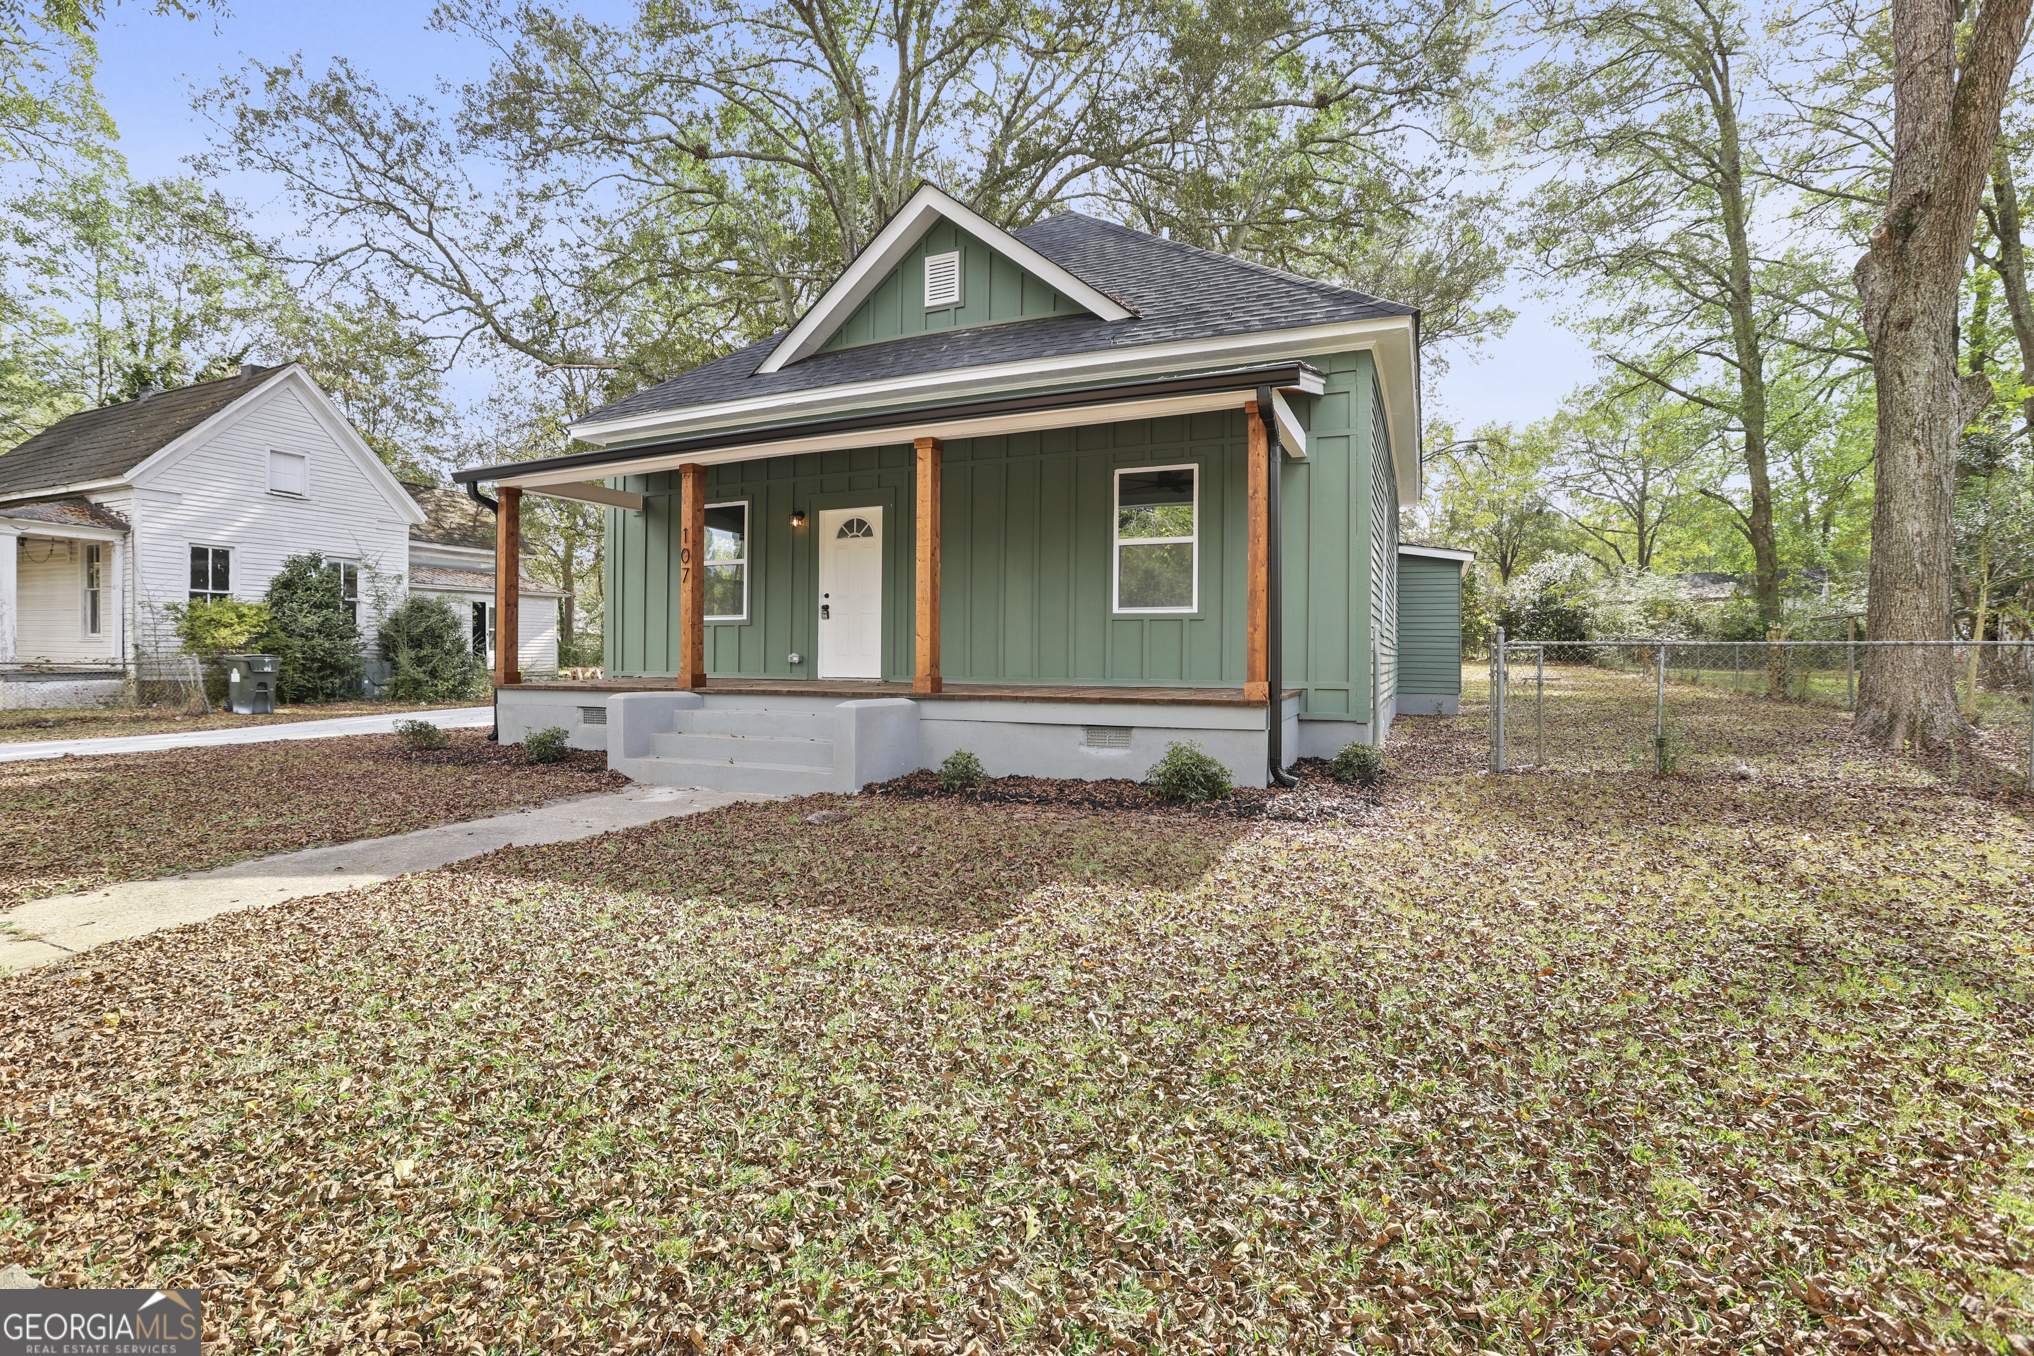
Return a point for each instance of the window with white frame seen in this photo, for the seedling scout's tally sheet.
(211, 573)
(1158, 539)
(289, 473)
(483, 631)
(346, 579)
(727, 562)
(95, 559)
(942, 280)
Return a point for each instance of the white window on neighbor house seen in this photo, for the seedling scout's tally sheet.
(289, 473)
(483, 632)
(95, 573)
(942, 280)
(211, 573)
(1158, 539)
(727, 562)
(346, 579)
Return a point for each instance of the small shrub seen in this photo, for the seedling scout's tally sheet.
(210, 627)
(419, 735)
(548, 746)
(961, 771)
(311, 628)
(1359, 763)
(1186, 772)
(429, 646)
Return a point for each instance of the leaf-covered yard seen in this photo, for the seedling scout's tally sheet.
(96, 722)
(1546, 1064)
(75, 823)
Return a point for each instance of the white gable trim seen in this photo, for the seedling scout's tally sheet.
(322, 408)
(1438, 553)
(892, 243)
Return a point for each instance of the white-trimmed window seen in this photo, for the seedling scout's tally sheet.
(211, 573)
(942, 280)
(346, 577)
(1158, 539)
(95, 573)
(289, 473)
(727, 561)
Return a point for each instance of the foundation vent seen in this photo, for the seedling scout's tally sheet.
(1106, 736)
(593, 715)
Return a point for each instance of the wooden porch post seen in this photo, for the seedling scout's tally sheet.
(691, 575)
(508, 596)
(925, 674)
(1257, 633)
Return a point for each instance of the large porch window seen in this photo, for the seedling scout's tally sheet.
(1158, 539)
(727, 562)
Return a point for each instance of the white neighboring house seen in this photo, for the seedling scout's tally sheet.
(201, 491)
(452, 556)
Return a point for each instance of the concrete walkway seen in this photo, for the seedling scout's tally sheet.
(457, 718)
(56, 928)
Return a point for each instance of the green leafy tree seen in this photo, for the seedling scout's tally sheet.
(430, 646)
(313, 632)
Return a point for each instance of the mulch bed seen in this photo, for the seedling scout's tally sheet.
(75, 823)
(1317, 792)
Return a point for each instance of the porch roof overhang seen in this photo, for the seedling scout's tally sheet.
(1144, 399)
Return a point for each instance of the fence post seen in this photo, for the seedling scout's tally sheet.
(1850, 667)
(1660, 716)
(1540, 716)
(1736, 664)
(1497, 702)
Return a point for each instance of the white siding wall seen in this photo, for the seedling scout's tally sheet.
(217, 495)
(537, 647)
(51, 591)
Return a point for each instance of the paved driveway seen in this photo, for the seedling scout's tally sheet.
(458, 718)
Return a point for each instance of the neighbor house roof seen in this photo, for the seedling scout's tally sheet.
(451, 519)
(105, 444)
(1177, 291)
(66, 513)
(473, 581)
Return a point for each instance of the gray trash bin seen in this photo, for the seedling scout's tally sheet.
(250, 683)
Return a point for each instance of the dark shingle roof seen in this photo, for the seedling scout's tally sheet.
(1179, 292)
(75, 512)
(106, 444)
(451, 518)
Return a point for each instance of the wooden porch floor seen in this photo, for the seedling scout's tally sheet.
(849, 691)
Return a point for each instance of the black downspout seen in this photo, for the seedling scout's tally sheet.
(492, 506)
(1274, 591)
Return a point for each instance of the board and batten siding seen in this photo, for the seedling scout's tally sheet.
(1430, 627)
(994, 290)
(216, 494)
(1026, 588)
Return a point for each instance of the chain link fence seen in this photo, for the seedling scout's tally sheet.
(1667, 706)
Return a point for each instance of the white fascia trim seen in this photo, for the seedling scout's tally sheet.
(892, 243)
(81, 487)
(1438, 553)
(1389, 336)
(1023, 421)
(323, 410)
(21, 527)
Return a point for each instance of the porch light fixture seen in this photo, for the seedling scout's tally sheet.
(797, 517)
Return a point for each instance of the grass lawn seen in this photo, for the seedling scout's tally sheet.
(94, 722)
(1547, 1063)
(75, 823)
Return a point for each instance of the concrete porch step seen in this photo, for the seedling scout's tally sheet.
(768, 779)
(793, 751)
(759, 721)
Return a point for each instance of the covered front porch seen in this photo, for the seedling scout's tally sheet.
(1061, 584)
(62, 606)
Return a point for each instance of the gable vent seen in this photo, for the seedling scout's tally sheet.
(942, 279)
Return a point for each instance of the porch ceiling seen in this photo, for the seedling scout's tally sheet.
(968, 419)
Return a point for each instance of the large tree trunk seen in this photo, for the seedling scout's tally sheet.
(1945, 124)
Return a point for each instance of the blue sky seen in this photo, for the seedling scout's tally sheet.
(151, 65)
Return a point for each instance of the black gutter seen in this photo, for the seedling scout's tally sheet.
(1241, 379)
(1274, 589)
(473, 493)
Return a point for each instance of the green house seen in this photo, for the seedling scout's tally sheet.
(1057, 496)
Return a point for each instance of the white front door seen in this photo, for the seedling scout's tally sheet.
(851, 593)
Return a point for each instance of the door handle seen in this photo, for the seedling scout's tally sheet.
(826, 612)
